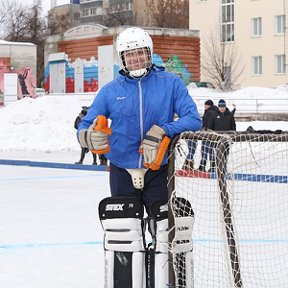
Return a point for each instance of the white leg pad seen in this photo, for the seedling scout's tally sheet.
(122, 221)
(159, 231)
(161, 254)
(182, 245)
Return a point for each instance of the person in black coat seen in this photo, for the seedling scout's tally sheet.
(221, 120)
(102, 158)
(206, 149)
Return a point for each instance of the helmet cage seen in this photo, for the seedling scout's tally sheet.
(137, 61)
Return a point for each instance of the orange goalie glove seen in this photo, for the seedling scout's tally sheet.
(99, 135)
(154, 147)
(96, 137)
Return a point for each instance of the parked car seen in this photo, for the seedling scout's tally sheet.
(199, 84)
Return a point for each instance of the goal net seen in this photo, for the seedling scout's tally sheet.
(236, 186)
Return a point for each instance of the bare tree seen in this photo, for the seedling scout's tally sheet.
(221, 61)
(59, 23)
(119, 18)
(168, 13)
(25, 23)
(15, 21)
(3, 15)
(37, 31)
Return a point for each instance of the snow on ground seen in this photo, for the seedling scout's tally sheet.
(42, 124)
(50, 234)
(247, 100)
(46, 124)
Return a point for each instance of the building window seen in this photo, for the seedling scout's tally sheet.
(280, 64)
(128, 6)
(257, 65)
(257, 27)
(93, 11)
(85, 12)
(120, 7)
(227, 21)
(96, 11)
(280, 24)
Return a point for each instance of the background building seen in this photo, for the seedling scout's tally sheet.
(19, 58)
(75, 53)
(61, 18)
(244, 40)
(92, 11)
(111, 13)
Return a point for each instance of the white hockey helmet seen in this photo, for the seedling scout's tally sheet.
(130, 39)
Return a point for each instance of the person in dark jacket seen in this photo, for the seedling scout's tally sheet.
(221, 120)
(206, 149)
(102, 158)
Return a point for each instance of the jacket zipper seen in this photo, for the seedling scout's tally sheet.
(141, 119)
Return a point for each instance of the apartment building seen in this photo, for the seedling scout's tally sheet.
(62, 17)
(247, 37)
(114, 12)
(92, 11)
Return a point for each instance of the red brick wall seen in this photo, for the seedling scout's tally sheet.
(186, 48)
(84, 48)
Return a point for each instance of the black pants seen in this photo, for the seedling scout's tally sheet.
(155, 185)
(101, 157)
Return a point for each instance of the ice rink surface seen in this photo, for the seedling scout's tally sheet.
(50, 234)
(51, 237)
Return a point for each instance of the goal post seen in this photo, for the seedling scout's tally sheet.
(236, 185)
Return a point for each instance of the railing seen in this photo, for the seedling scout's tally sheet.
(247, 104)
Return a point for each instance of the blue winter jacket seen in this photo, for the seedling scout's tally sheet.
(135, 105)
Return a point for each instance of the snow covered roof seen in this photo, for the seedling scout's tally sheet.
(4, 42)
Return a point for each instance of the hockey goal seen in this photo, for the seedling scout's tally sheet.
(240, 202)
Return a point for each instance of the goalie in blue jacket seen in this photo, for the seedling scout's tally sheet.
(141, 104)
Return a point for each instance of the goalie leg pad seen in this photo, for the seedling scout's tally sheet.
(182, 245)
(157, 266)
(122, 222)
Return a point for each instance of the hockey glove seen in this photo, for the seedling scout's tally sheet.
(96, 137)
(154, 146)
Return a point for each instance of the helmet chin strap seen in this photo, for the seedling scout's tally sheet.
(138, 73)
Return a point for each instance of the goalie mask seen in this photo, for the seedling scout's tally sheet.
(134, 47)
